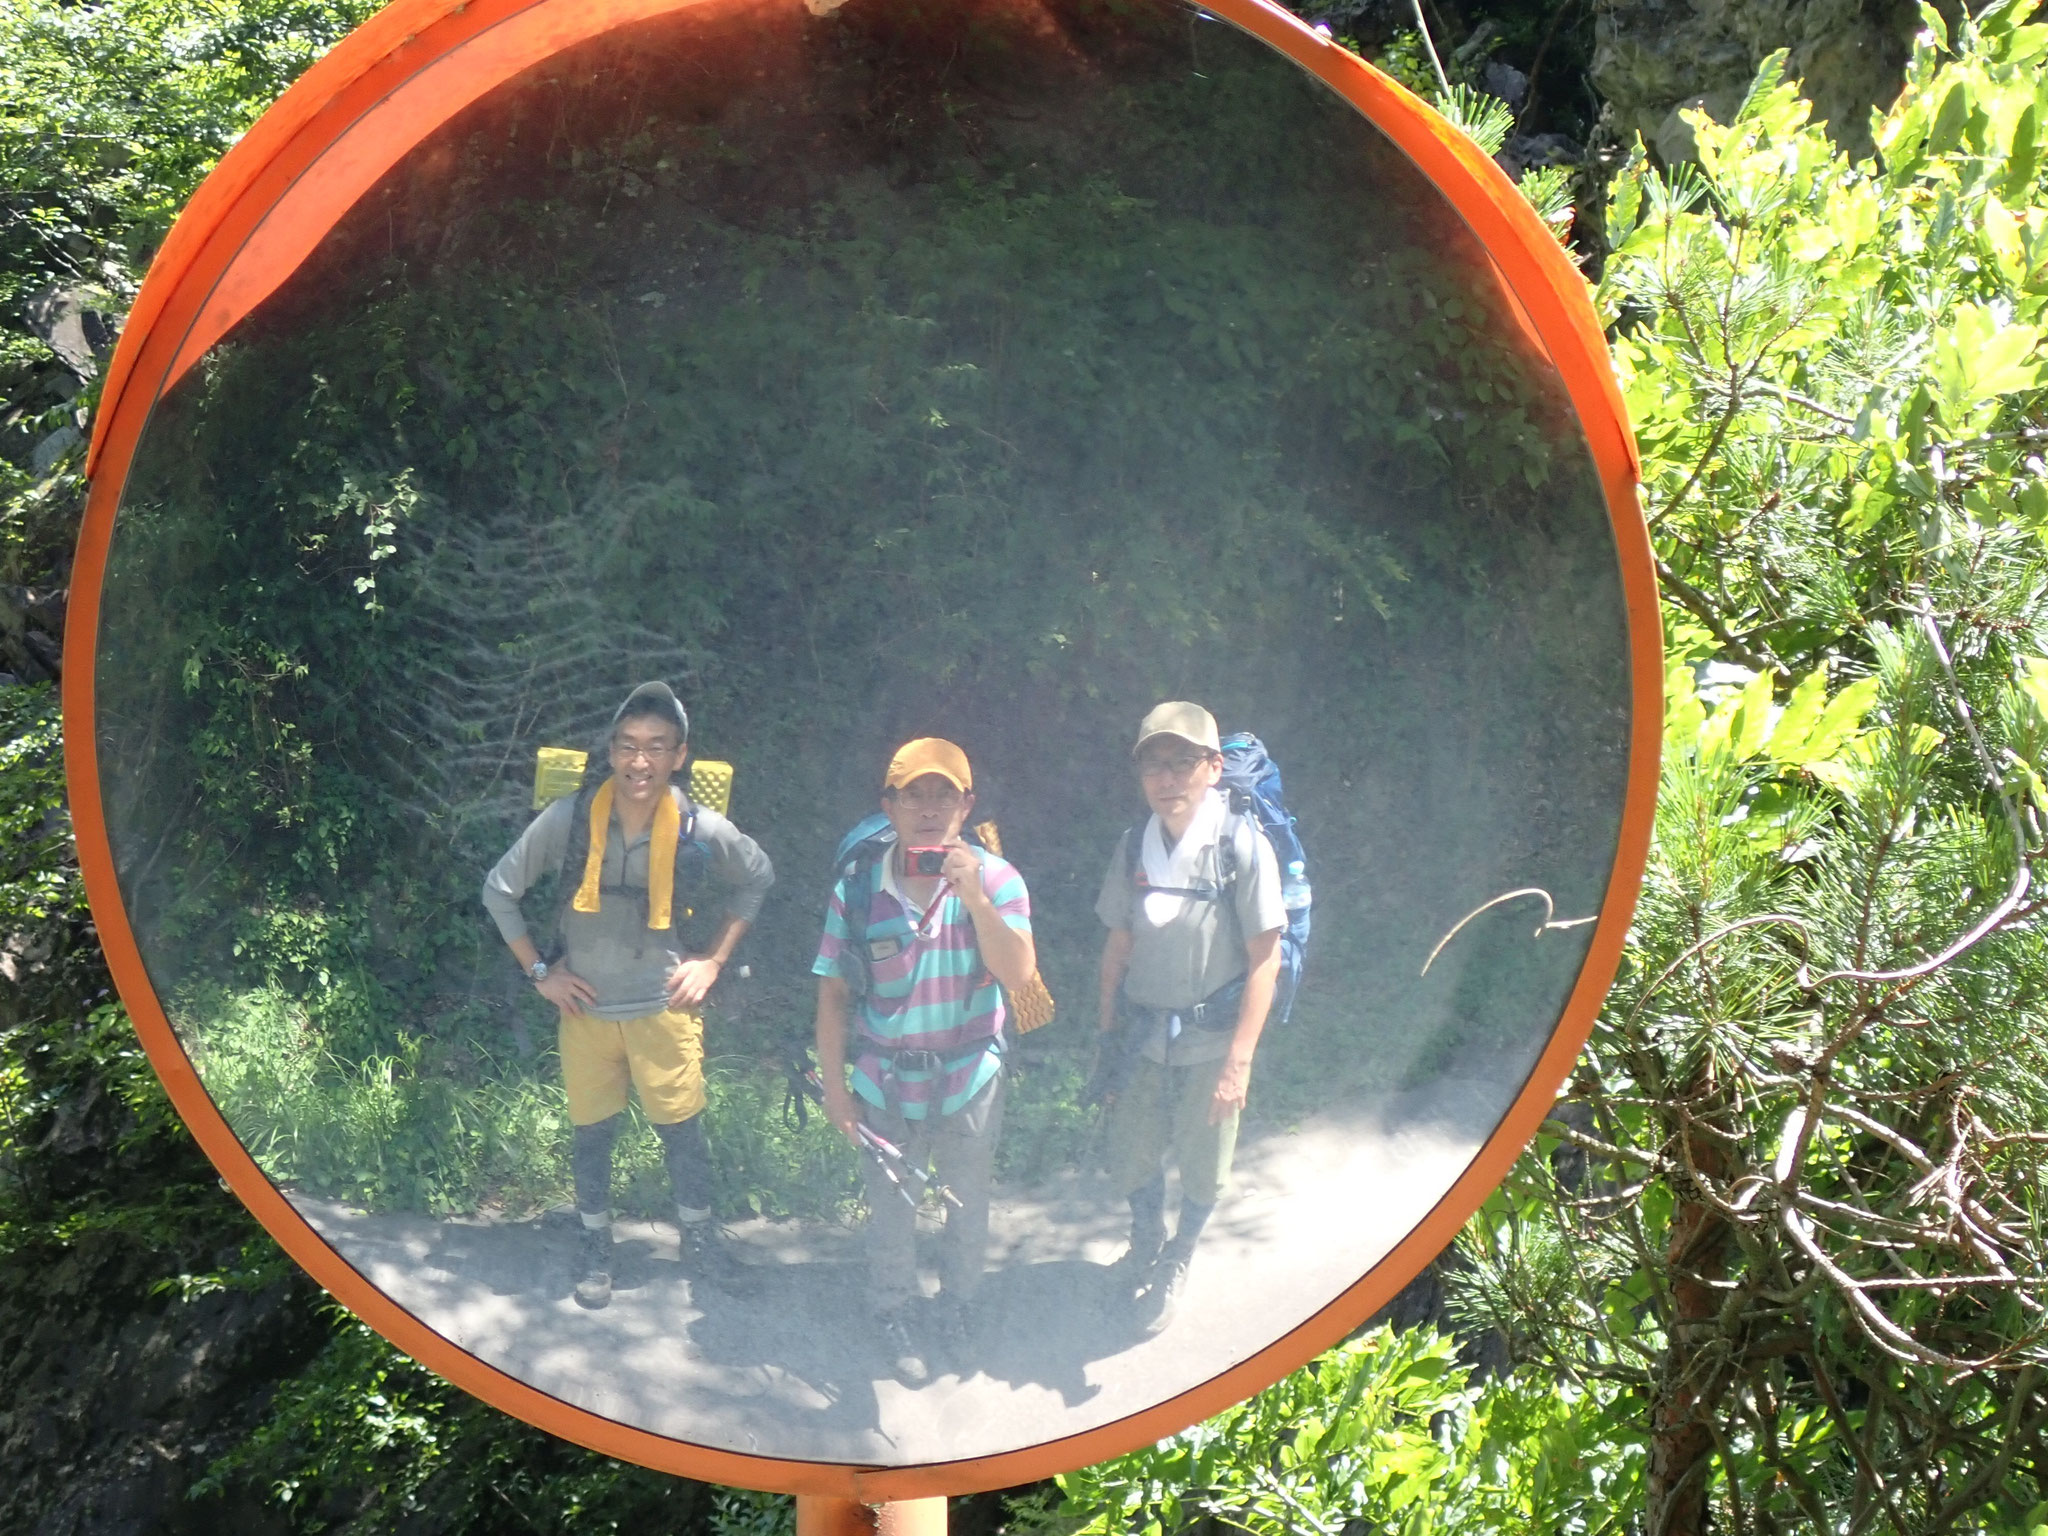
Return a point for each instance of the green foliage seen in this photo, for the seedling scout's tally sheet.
(1483, 117)
(115, 111)
(110, 115)
(377, 1130)
(1385, 1430)
(36, 882)
(365, 1441)
(1835, 374)
(1821, 1061)
(441, 1129)
(42, 1068)
(1809, 350)
(737, 1512)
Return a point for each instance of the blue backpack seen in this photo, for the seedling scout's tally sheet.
(1251, 780)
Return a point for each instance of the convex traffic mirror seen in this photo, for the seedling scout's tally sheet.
(976, 420)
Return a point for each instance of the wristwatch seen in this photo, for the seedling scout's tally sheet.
(538, 970)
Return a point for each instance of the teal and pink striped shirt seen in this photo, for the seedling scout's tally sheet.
(927, 989)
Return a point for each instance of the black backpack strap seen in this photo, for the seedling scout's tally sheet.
(576, 847)
(1226, 849)
(861, 881)
(575, 854)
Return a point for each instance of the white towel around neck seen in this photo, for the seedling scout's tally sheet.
(1176, 869)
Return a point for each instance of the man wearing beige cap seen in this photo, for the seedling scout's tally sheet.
(926, 931)
(1193, 906)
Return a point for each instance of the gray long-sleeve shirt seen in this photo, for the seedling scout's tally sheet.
(613, 948)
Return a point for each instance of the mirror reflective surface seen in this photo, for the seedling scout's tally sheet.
(988, 373)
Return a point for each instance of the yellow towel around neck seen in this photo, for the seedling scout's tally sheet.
(661, 855)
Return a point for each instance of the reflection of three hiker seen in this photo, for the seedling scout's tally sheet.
(926, 936)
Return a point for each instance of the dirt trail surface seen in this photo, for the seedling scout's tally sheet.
(785, 1362)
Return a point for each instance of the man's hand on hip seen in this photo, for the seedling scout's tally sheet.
(566, 990)
(691, 981)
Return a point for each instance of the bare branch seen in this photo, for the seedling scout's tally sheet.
(1877, 1327)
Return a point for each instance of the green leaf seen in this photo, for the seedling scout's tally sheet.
(1684, 714)
(1935, 24)
(1947, 131)
(2033, 682)
(1751, 726)
(1811, 731)
(2020, 155)
(1976, 359)
(1867, 506)
(1737, 729)
(2001, 16)
(1853, 216)
(1485, 119)
(1801, 713)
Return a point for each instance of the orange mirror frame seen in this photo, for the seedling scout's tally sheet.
(272, 199)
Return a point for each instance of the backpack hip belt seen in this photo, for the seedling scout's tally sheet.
(933, 1063)
(1216, 1012)
(910, 1061)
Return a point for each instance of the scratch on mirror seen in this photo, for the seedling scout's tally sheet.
(1550, 919)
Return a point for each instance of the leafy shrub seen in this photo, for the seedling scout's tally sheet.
(1383, 1433)
(1822, 1061)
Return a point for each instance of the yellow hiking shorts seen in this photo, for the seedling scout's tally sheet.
(662, 1055)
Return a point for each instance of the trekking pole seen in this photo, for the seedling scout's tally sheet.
(891, 1158)
(805, 1089)
(887, 1155)
(894, 1153)
(889, 1173)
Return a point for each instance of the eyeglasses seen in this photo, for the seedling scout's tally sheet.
(937, 800)
(626, 751)
(1179, 766)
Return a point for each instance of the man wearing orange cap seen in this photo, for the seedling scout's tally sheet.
(925, 933)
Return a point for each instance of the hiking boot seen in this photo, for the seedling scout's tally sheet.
(708, 1253)
(1130, 1268)
(594, 1260)
(1161, 1299)
(899, 1343)
(950, 1332)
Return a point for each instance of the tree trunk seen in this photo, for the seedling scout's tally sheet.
(1693, 1372)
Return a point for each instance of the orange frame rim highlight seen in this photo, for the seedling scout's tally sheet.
(418, 62)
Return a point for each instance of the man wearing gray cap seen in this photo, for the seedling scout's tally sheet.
(634, 854)
(1193, 907)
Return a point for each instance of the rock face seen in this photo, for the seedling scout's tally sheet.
(114, 1405)
(74, 323)
(1653, 57)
